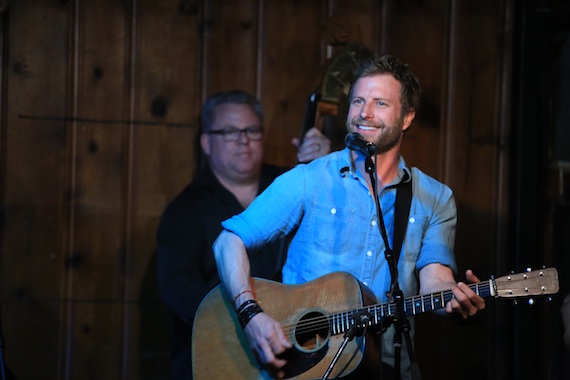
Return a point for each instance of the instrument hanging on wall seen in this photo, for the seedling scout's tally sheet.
(327, 106)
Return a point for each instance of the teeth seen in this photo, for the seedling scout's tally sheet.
(366, 128)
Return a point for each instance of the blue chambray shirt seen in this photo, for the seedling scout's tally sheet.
(327, 208)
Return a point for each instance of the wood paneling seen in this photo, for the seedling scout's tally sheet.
(34, 208)
(424, 46)
(167, 87)
(290, 62)
(100, 108)
(232, 43)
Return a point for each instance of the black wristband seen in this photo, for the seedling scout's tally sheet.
(246, 314)
(243, 305)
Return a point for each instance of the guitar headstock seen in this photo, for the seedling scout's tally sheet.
(532, 283)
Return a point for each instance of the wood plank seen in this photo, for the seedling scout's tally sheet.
(166, 90)
(99, 174)
(290, 63)
(423, 48)
(470, 156)
(32, 261)
(230, 36)
(93, 352)
(148, 320)
(168, 75)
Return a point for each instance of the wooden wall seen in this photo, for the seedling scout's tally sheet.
(98, 108)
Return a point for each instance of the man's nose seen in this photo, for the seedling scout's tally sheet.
(243, 138)
(366, 111)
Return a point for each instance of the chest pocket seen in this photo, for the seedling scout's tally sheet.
(332, 229)
(417, 225)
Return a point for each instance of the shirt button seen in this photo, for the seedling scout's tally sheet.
(333, 211)
(369, 253)
(412, 220)
(365, 283)
(373, 222)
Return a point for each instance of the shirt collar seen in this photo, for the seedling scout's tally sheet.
(404, 172)
(346, 165)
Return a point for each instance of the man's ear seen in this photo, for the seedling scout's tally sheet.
(205, 143)
(408, 118)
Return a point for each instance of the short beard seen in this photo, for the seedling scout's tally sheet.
(386, 141)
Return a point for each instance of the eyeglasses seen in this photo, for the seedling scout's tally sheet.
(233, 134)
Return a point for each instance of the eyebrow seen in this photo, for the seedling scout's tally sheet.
(384, 99)
(234, 127)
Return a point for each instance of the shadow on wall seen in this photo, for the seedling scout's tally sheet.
(154, 338)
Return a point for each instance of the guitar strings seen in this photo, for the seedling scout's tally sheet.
(340, 322)
(344, 320)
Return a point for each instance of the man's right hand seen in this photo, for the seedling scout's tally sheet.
(267, 341)
(314, 145)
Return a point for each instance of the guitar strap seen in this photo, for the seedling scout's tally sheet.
(401, 214)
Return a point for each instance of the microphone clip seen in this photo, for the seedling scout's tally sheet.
(361, 320)
(354, 141)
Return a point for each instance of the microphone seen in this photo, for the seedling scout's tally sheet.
(354, 141)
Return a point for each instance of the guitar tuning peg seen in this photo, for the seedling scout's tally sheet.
(515, 302)
(549, 299)
(528, 269)
(531, 301)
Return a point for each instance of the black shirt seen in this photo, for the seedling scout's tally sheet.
(186, 267)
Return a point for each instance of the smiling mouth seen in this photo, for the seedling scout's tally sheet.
(365, 127)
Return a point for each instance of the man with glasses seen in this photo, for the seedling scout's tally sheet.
(232, 140)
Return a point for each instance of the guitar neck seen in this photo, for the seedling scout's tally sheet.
(342, 322)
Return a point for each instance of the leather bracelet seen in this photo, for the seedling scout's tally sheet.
(243, 305)
(248, 313)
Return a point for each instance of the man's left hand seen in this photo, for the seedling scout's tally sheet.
(466, 302)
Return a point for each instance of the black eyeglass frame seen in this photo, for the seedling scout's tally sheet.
(250, 132)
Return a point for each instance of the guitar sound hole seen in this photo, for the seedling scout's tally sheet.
(312, 331)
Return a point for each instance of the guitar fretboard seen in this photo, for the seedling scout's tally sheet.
(341, 322)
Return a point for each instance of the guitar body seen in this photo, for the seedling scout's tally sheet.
(216, 330)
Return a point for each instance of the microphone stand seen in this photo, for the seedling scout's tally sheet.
(361, 320)
(399, 320)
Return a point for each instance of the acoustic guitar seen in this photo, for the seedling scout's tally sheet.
(316, 315)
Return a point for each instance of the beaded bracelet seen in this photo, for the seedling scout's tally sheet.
(247, 313)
